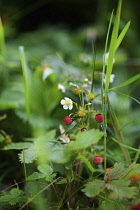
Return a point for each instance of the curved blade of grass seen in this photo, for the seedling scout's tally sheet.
(130, 121)
(112, 47)
(127, 82)
(126, 146)
(86, 161)
(26, 80)
(2, 39)
(122, 34)
(127, 96)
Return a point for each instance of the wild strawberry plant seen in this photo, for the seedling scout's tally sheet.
(68, 163)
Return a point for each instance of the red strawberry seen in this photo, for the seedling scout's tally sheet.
(67, 120)
(98, 160)
(99, 118)
(137, 207)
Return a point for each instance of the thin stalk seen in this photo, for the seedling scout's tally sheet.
(104, 111)
(25, 172)
(93, 65)
(31, 199)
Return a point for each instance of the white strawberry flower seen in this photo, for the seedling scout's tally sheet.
(61, 88)
(67, 103)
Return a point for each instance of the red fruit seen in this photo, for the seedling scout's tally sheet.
(108, 170)
(135, 178)
(98, 160)
(99, 118)
(77, 91)
(137, 207)
(67, 120)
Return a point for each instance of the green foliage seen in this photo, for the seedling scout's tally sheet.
(13, 197)
(61, 174)
(2, 39)
(18, 146)
(121, 189)
(86, 161)
(45, 172)
(127, 82)
(26, 81)
(91, 136)
(116, 184)
(94, 188)
(109, 204)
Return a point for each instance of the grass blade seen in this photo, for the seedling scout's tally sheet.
(26, 81)
(118, 133)
(86, 161)
(126, 146)
(112, 47)
(127, 82)
(122, 34)
(2, 40)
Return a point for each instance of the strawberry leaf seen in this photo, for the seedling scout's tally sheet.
(121, 189)
(94, 188)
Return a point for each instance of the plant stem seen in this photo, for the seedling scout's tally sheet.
(137, 155)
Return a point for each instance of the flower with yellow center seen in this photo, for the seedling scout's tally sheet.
(61, 88)
(67, 103)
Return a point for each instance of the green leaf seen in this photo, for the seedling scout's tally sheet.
(28, 155)
(72, 125)
(45, 169)
(94, 188)
(109, 204)
(13, 198)
(127, 82)
(3, 117)
(18, 146)
(50, 178)
(121, 189)
(122, 34)
(117, 171)
(35, 176)
(5, 198)
(62, 181)
(86, 161)
(57, 153)
(84, 139)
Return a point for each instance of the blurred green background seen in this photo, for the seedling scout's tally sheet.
(68, 28)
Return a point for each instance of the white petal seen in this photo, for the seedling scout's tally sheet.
(66, 98)
(62, 101)
(70, 107)
(47, 72)
(65, 107)
(63, 90)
